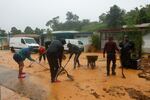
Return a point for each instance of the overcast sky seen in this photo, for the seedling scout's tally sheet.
(35, 13)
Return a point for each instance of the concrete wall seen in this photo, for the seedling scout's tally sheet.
(146, 45)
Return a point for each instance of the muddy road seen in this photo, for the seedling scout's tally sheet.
(88, 84)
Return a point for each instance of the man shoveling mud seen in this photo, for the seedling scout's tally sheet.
(110, 48)
(54, 57)
(20, 56)
(73, 49)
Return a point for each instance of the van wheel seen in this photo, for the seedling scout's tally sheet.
(12, 49)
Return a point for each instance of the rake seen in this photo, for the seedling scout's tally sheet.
(63, 69)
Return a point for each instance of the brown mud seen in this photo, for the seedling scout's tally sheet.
(88, 84)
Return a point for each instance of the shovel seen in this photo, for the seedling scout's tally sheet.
(68, 75)
(123, 76)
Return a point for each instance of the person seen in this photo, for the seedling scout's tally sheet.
(54, 57)
(74, 49)
(47, 43)
(42, 53)
(20, 56)
(110, 48)
(126, 48)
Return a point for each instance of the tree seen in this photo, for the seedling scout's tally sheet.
(138, 16)
(131, 17)
(143, 18)
(102, 18)
(54, 24)
(114, 18)
(14, 30)
(28, 30)
(38, 31)
(72, 17)
(69, 16)
(2, 32)
(85, 22)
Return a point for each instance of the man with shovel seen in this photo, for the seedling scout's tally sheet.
(54, 57)
(20, 56)
(73, 49)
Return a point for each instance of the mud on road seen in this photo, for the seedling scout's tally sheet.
(88, 84)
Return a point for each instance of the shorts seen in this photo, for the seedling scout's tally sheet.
(17, 58)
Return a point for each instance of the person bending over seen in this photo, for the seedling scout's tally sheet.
(20, 56)
(54, 57)
(73, 49)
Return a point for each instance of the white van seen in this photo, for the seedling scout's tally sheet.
(23, 42)
(73, 41)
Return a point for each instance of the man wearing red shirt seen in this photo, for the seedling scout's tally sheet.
(110, 48)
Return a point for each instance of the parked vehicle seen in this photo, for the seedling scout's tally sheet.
(23, 42)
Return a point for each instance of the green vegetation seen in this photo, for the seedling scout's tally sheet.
(95, 40)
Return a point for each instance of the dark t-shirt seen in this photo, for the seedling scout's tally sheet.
(56, 47)
(110, 47)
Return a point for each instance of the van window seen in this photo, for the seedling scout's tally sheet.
(80, 42)
(29, 41)
(22, 41)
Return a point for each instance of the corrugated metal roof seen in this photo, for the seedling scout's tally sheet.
(58, 32)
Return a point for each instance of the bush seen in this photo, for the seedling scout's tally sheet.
(95, 41)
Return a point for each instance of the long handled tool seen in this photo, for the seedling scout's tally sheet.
(123, 76)
(42, 65)
(63, 69)
(36, 59)
(68, 75)
(33, 62)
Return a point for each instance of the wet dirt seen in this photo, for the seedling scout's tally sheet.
(136, 94)
(88, 84)
(145, 69)
(28, 87)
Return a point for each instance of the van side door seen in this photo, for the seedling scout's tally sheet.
(22, 43)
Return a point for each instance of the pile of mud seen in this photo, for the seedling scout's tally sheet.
(136, 94)
(146, 69)
(122, 91)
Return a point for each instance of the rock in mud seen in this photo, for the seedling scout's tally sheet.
(135, 94)
(95, 95)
